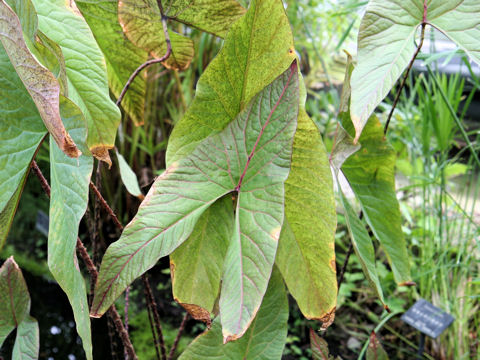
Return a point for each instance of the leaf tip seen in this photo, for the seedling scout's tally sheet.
(101, 153)
(328, 318)
(408, 283)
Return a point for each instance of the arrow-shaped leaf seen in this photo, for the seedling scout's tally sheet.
(86, 72)
(319, 347)
(27, 342)
(386, 44)
(40, 83)
(263, 341)
(250, 157)
(375, 350)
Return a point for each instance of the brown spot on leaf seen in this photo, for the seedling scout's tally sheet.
(408, 283)
(333, 265)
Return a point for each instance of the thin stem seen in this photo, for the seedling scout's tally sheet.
(344, 267)
(152, 61)
(177, 338)
(107, 207)
(92, 269)
(127, 293)
(404, 80)
(153, 307)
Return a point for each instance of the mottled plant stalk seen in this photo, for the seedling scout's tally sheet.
(127, 293)
(177, 338)
(82, 251)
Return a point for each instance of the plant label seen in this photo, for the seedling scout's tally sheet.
(427, 318)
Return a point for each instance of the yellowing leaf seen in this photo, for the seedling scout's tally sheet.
(141, 23)
(250, 157)
(42, 86)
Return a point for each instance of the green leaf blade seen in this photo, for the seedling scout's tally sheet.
(21, 130)
(306, 256)
(262, 39)
(196, 265)
(86, 72)
(251, 156)
(70, 180)
(371, 174)
(264, 340)
(129, 178)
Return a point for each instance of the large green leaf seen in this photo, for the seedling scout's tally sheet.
(21, 130)
(257, 49)
(121, 56)
(250, 157)
(27, 342)
(70, 180)
(197, 265)
(264, 340)
(86, 72)
(362, 244)
(213, 16)
(14, 298)
(306, 255)
(40, 83)
(386, 44)
(141, 23)
(371, 174)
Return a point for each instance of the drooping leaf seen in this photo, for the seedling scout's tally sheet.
(257, 49)
(129, 178)
(375, 350)
(371, 175)
(213, 16)
(251, 157)
(14, 298)
(8, 213)
(141, 23)
(264, 340)
(196, 265)
(70, 180)
(121, 56)
(306, 255)
(86, 72)
(386, 44)
(21, 130)
(319, 347)
(27, 342)
(40, 83)
(362, 244)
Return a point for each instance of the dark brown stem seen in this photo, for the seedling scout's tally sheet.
(92, 269)
(127, 292)
(154, 334)
(152, 61)
(404, 80)
(115, 316)
(179, 335)
(344, 267)
(106, 206)
(153, 307)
